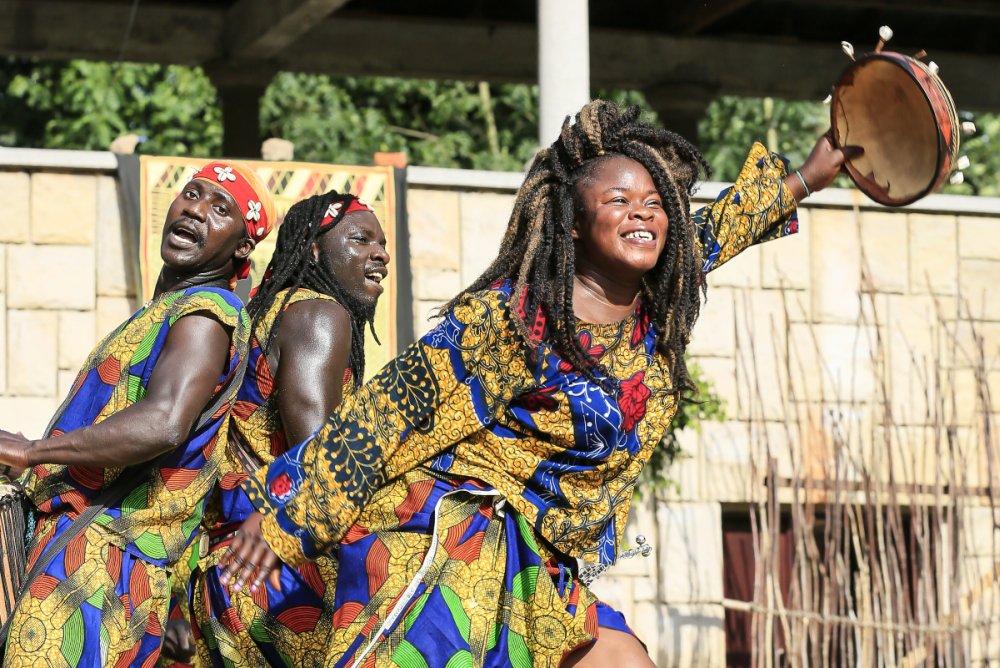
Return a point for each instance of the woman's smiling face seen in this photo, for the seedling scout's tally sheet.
(621, 226)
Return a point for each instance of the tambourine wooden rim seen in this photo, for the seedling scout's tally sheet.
(942, 110)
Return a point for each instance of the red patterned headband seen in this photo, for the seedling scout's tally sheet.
(251, 195)
(337, 210)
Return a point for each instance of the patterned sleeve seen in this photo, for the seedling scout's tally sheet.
(224, 307)
(454, 381)
(757, 208)
(221, 305)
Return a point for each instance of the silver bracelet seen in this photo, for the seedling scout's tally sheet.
(804, 185)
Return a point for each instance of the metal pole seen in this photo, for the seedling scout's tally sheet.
(563, 63)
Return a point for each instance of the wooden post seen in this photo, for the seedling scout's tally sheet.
(681, 106)
(241, 119)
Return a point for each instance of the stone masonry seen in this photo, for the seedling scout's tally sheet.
(65, 278)
(787, 318)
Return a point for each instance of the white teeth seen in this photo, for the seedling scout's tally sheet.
(187, 235)
(640, 234)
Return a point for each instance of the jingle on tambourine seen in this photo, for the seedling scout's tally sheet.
(898, 110)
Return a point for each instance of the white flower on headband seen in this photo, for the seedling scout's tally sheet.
(364, 204)
(225, 174)
(253, 210)
(334, 209)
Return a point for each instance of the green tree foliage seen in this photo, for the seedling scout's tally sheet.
(731, 124)
(85, 105)
(82, 104)
(439, 123)
(20, 124)
(983, 148)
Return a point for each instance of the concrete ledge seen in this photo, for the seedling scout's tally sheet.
(47, 158)
(837, 198)
(473, 179)
(846, 198)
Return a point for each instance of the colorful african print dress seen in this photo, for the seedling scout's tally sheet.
(102, 600)
(459, 486)
(290, 626)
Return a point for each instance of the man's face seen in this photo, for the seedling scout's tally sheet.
(204, 229)
(354, 252)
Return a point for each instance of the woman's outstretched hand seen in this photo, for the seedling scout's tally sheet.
(250, 558)
(825, 161)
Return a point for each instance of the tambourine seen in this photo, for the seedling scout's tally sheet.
(899, 111)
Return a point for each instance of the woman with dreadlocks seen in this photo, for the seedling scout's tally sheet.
(460, 485)
(307, 351)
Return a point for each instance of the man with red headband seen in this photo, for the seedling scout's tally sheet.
(307, 353)
(148, 406)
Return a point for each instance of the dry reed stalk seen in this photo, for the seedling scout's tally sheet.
(882, 570)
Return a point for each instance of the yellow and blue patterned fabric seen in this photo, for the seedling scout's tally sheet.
(756, 210)
(103, 600)
(271, 626)
(473, 404)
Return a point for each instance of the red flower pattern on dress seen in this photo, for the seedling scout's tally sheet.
(540, 400)
(281, 486)
(593, 351)
(632, 400)
(641, 326)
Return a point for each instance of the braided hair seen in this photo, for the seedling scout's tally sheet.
(537, 251)
(293, 266)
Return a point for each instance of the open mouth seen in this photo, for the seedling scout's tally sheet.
(376, 275)
(185, 232)
(639, 235)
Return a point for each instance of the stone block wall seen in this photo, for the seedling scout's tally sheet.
(784, 336)
(454, 235)
(65, 280)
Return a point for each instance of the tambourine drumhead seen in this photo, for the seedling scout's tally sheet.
(904, 118)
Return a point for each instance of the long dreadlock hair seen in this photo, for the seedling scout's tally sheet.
(537, 252)
(293, 266)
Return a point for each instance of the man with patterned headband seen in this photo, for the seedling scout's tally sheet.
(150, 403)
(307, 352)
